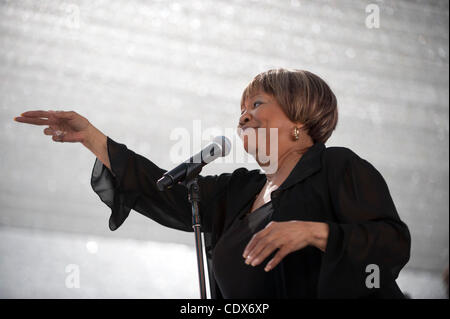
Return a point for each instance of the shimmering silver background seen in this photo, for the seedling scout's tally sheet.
(138, 69)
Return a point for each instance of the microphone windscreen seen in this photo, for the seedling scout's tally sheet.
(224, 143)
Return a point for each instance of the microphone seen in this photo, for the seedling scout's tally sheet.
(219, 147)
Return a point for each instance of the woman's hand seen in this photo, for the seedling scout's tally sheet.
(62, 126)
(286, 237)
(70, 127)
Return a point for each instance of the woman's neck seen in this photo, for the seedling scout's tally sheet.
(286, 163)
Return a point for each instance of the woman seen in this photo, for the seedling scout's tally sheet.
(320, 225)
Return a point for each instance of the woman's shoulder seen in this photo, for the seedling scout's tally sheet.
(341, 158)
(339, 153)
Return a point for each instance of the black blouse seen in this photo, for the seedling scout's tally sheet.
(234, 277)
(332, 185)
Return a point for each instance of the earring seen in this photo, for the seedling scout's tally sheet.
(296, 133)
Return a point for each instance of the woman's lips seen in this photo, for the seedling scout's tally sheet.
(244, 131)
(243, 128)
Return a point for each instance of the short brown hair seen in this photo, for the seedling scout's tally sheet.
(303, 96)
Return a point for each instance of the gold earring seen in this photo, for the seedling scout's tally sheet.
(296, 133)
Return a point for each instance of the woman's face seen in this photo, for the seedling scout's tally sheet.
(262, 111)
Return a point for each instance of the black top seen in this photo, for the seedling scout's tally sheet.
(234, 277)
(332, 185)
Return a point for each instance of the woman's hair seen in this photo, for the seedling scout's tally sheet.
(303, 96)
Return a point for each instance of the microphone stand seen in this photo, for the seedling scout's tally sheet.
(189, 171)
(194, 197)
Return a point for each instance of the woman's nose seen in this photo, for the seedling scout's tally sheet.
(244, 118)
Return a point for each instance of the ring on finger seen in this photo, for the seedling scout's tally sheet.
(59, 134)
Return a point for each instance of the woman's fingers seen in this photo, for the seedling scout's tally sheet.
(39, 113)
(281, 253)
(49, 131)
(33, 120)
(253, 242)
(258, 255)
(258, 243)
(44, 117)
(57, 138)
(257, 237)
(59, 123)
(58, 135)
(35, 117)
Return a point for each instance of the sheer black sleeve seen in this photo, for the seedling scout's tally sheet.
(131, 184)
(368, 231)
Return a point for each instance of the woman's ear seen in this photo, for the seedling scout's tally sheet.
(299, 125)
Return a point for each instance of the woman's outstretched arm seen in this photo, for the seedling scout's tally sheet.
(125, 180)
(96, 142)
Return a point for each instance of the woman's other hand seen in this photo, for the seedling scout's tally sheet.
(63, 126)
(286, 237)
